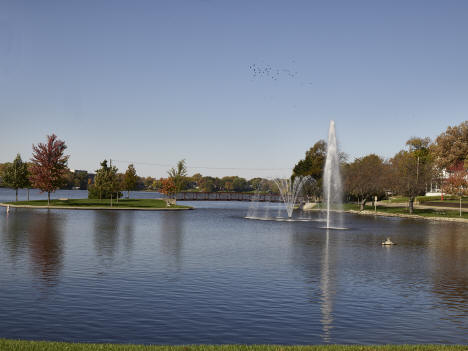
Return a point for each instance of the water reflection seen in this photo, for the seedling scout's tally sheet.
(46, 245)
(114, 231)
(129, 232)
(172, 237)
(106, 234)
(327, 293)
(449, 262)
(314, 255)
(208, 276)
(15, 227)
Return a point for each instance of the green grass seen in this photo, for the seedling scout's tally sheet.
(82, 203)
(417, 211)
(422, 199)
(437, 198)
(15, 345)
(452, 199)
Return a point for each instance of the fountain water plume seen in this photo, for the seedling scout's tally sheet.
(332, 188)
(290, 190)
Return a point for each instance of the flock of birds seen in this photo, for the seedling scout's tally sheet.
(267, 71)
(259, 71)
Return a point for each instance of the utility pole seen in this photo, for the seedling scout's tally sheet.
(110, 162)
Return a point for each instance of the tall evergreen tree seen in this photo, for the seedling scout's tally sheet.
(106, 183)
(130, 179)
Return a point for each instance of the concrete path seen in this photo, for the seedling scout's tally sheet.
(424, 207)
(402, 215)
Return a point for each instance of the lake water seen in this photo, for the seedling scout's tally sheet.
(212, 276)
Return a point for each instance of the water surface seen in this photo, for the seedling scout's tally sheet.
(212, 276)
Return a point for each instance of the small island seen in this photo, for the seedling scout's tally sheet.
(104, 204)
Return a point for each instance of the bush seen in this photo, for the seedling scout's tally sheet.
(94, 193)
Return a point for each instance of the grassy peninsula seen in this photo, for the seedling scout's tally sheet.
(15, 345)
(144, 204)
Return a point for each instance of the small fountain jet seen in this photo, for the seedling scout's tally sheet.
(290, 190)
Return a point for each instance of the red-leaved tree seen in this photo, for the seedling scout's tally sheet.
(49, 165)
(457, 182)
(167, 187)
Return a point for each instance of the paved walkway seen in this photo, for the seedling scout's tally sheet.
(402, 215)
(424, 207)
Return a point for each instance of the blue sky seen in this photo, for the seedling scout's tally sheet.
(158, 81)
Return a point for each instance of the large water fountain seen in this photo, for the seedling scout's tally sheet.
(291, 188)
(332, 188)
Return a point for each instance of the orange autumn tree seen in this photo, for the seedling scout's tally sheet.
(49, 165)
(167, 187)
(457, 182)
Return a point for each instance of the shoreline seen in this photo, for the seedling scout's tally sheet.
(6, 204)
(401, 215)
(15, 344)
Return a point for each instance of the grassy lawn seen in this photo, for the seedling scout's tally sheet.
(451, 200)
(13, 345)
(421, 199)
(420, 212)
(82, 203)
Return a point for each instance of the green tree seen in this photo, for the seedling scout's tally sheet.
(207, 184)
(313, 164)
(240, 184)
(130, 179)
(178, 175)
(106, 183)
(16, 175)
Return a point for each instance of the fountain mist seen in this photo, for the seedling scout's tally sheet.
(332, 189)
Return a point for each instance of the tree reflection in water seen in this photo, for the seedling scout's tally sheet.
(449, 267)
(15, 229)
(172, 236)
(112, 230)
(46, 245)
(106, 235)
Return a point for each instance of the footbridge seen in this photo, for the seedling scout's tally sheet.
(227, 196)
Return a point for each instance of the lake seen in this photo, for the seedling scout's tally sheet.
(212, 276)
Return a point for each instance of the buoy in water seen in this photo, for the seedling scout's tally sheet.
(388, 242)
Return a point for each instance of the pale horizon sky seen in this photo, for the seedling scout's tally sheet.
(244, 85)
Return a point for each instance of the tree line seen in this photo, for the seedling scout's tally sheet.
(48, 171)
(423, 164)
(410, 172)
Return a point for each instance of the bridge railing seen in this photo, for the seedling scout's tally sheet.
(227, 196)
